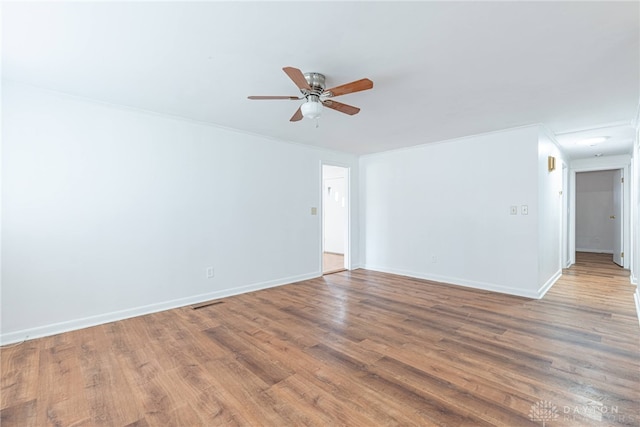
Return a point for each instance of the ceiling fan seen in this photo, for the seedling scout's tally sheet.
(312, 87)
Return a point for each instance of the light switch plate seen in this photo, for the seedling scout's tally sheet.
(524, 209)
(514, 210)
(314, 211)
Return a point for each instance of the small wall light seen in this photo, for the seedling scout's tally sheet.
(551, 163)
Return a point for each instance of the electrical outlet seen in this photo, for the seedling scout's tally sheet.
(210, 273)
(434, 259)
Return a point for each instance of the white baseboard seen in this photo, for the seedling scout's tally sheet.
(595, 251)
(545, 288)
(469, 283)
(72, 325)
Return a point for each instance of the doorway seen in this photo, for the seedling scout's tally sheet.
(335, 218)
(565, 258)
(599, 213)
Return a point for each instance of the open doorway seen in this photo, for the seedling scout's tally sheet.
(599, 213)
(566, 218)
(335, 218)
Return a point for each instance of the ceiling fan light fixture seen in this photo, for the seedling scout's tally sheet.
(311, 109)
(593, 141)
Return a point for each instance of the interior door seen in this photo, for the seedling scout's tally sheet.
(617, 218)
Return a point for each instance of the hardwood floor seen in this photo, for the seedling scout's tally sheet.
(332, 263)
(354, 348)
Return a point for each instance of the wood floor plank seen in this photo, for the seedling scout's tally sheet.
(60, 400)
(353, 348)
(311, 403)
(105, 389)
(20, 375)
(20, 415)
(244, 392)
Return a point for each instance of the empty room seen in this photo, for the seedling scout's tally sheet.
(320, 213)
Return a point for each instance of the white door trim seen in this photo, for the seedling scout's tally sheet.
(348, 246)
(618, 162)
(618, 217)
(564, 241)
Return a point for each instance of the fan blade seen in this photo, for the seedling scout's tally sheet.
(357, 86)
(339, 106)
(297, 77)
(297, 116)
(295, 98)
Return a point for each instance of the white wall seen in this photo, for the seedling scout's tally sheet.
(335, 208)
(110, 212)
(442, 211)
(594, 205)
(550, 200)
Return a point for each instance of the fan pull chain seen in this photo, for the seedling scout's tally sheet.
(317, 123)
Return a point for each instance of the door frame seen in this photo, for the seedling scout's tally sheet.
(565, 257)
(618, 223)
(602, 164)
(347, 249)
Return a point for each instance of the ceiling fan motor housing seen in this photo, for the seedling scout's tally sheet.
(316, 81)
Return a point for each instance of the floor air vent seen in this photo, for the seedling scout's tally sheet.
(205, 304)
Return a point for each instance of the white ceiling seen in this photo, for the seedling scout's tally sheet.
(441, 70)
